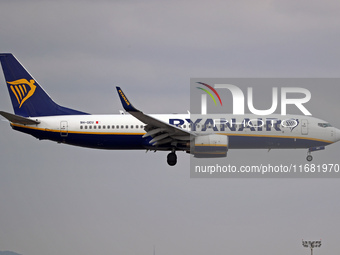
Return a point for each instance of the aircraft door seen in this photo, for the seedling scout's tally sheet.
(63, 128)
(304, 127)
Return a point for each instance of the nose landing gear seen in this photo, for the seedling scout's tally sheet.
(309, 157)
(309, 152)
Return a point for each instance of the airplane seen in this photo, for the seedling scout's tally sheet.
(210, 136)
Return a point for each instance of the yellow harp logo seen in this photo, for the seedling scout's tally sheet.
(22, 89)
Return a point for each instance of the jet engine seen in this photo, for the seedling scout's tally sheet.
(210, 146)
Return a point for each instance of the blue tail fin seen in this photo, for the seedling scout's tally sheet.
(28, 98)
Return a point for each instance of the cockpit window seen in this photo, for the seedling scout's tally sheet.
(324, 125)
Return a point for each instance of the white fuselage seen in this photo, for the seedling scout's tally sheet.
(244, 131)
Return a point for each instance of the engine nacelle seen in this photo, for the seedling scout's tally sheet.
(210, 146)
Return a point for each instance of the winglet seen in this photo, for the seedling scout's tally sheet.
(152, 122)
(125, 102)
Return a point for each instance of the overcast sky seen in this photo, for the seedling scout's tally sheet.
(58, 199)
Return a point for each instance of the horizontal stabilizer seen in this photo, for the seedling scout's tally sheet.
(18, 119)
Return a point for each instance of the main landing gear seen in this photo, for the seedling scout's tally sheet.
(172, 158)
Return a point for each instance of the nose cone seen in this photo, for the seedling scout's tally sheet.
(337, 134)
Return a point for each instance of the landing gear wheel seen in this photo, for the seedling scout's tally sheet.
(309, 158)
(172, 159)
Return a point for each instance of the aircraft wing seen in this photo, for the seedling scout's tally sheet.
(160, 131)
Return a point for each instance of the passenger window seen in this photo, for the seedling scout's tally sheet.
(131, 126)
(99, 127)
(117, 127)
(85, 127)
(103, 126)
(122, 127)
(90, 127)
(94, 127)
(113, 127)
(81, 127)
